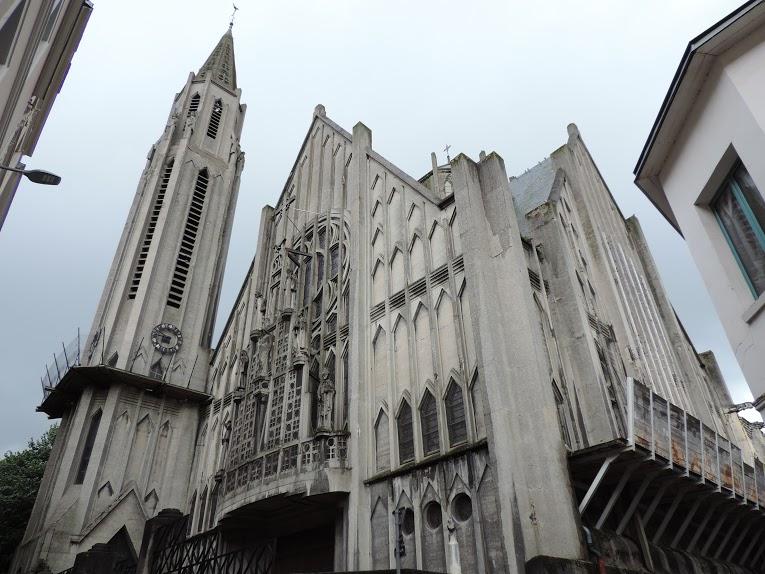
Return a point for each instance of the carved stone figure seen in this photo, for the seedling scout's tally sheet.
(292, 290)
(299, 336)
(244, 362)
(188, 126)
(263, 356)
(325, 397)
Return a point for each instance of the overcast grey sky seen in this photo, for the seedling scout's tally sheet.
(496, 75)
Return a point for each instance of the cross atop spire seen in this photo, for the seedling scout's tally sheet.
(233, 15)
(220, 66)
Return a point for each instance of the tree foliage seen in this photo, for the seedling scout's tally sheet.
(20, 475)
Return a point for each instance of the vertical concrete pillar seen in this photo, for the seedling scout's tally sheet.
(526, 450)
(569, 315)
(98, 560)
(359, 423)
(148, 543)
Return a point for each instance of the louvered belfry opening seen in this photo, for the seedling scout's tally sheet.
(150, 229)
(212, 128)
(190, 231)
(193, 105)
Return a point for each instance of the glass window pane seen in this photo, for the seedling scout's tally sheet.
(51, 21)
(405, 434)
(740, 211)
(455, 415)
(752, 195)
(8, 32)
(429, 418)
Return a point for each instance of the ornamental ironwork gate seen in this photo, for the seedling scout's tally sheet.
(206, 553)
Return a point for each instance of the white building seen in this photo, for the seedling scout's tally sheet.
(37, 41)
(703, 168)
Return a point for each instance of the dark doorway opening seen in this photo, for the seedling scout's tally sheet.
(306, 551)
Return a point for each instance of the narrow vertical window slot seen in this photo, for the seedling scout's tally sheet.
(143, 254)
(190, 231)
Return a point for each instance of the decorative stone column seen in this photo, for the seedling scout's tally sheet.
(99, 559)
(148, 544)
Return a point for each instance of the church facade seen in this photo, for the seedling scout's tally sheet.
(465, 372)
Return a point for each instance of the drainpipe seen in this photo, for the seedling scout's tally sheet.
(599, 562)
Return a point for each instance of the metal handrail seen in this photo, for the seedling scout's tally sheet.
(68, 357)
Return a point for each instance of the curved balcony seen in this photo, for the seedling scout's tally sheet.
(311, 467)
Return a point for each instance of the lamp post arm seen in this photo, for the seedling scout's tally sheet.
(6, 168)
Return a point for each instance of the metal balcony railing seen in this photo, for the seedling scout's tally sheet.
(68, 357)
(686, 444)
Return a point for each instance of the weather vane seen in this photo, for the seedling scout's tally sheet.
(446, 149)
(233, 15)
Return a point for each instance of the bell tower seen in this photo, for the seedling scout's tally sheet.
(130, 409)
(157, 309)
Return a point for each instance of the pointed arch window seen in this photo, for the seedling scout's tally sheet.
(213, 505)
(156, 370)
(192, 508)
(429, 420)
(87, 448)
(217, 112)
(382, 442)
(202, 507)
(334, 261)
(455, 414)
(307, 281)
(346, 389)
(560, 406)
(193, 105)
(319, 269)
(190, 231)
(405, 434)
(150, 229)
(51, 22)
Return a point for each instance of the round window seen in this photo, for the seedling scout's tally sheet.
(433, 516)
(462, 507)
(407, 524)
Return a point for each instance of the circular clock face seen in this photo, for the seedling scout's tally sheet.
(166, 338)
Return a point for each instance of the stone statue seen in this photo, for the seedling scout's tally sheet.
(173, 121)
(244, 361)
(263, 356)
(188, 126)
(299, 346)
(261, 317)
(454, 549)
(292, 290)
(325, 397)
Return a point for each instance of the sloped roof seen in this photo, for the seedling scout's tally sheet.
(220, 65)
(531, 189)
(698, 58)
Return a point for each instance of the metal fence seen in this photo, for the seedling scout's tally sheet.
(68, 357)
(206, 553)
(685, 443)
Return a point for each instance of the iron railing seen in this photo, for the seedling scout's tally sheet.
(68, 357)
(166, 368)
(206, 553)
(686, 444)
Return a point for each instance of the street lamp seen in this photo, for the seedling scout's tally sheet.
(36, 175)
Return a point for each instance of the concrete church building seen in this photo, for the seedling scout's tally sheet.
(484, 372)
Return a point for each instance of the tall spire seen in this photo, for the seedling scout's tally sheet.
(220, 66)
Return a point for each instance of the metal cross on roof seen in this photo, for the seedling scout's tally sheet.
(446, 149)
(233, 15)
